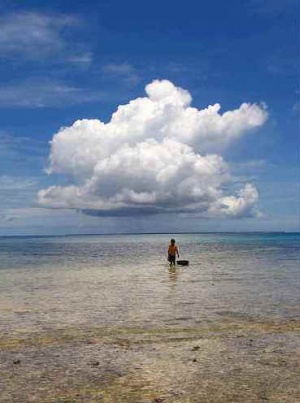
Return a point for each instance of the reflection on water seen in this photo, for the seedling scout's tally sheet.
(173, 273)
(126, 280)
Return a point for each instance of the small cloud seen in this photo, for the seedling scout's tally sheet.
(37, 36)
(40, 94)
(84, 59)
(12, 183)
(279, 64)
(32, 33)
(123, 70)
(16, 191)
(25, 213)
(296, 108)
(21, 154)
(200, 70)
(247, 167)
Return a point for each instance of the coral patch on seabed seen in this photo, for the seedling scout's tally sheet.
(235, 360)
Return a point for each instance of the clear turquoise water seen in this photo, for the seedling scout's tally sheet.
(125, 280)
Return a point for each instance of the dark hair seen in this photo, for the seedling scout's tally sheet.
(172, 240)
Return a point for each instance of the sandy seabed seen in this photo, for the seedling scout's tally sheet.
(238, 360)
(85, 319)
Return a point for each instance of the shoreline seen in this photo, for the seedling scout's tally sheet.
(233, 360)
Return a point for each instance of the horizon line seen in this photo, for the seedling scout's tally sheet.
(148, 233)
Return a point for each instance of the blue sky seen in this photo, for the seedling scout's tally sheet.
(67, 61)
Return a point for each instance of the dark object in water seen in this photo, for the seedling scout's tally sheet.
(183, 262)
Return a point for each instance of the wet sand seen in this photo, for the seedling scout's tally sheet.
(235, 359)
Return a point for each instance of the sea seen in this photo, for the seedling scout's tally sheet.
(53, 282)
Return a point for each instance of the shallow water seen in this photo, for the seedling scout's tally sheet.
(83, 281)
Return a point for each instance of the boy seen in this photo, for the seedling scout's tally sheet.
(172, 252)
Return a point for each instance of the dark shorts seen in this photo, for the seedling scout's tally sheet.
(171, 258)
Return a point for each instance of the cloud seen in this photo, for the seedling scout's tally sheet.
(157, 154)
(45, 93)
(36, 36)
(8, 183)
(236, 206)
(82, 59)
(16, 191)
(20, 155)
(296, 108)
(28, 215)
(32, 33)
(123, 70)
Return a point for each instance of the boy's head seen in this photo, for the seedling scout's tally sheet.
(172, 241)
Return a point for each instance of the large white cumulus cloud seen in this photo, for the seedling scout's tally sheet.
(156, 154)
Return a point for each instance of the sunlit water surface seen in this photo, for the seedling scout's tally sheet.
(84, 281)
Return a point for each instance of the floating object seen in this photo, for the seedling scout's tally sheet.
(183, 262)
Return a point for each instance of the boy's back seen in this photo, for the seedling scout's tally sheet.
(172, 252)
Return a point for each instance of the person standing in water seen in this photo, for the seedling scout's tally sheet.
(172, 252)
